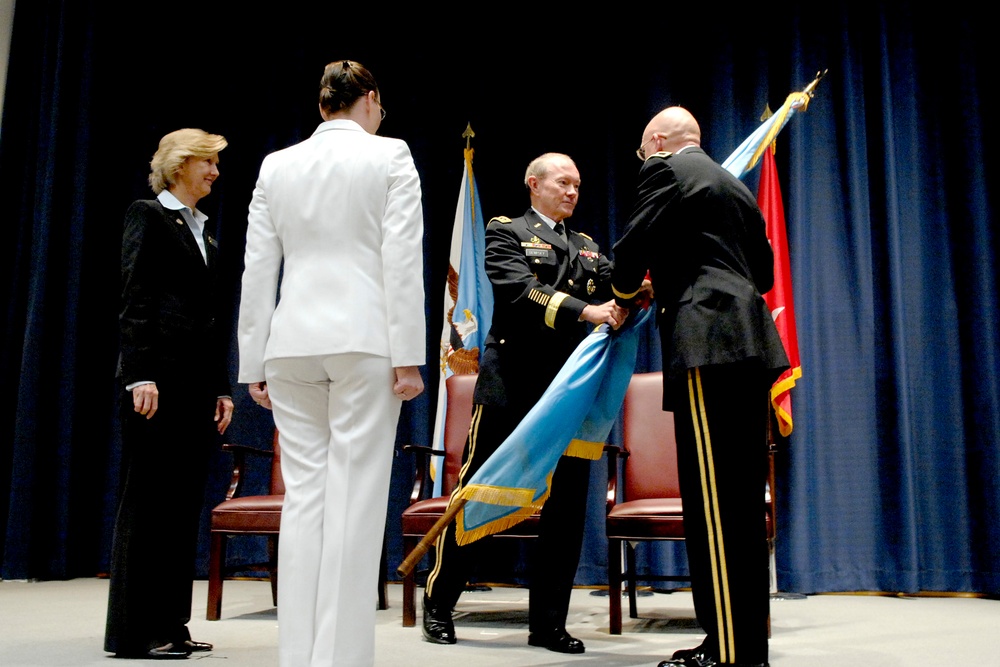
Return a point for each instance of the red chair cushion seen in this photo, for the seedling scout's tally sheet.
(250, 514)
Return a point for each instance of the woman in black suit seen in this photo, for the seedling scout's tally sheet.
(175, 398)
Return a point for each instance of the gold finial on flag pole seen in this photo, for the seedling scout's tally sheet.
(467, 135)
(811, 88)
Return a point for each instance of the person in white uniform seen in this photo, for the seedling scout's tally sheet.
(334, 353)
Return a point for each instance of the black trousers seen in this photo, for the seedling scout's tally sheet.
(553, 567)
(720, 420)
(164, 468)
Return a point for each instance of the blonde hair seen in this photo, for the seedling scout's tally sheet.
(177, 147)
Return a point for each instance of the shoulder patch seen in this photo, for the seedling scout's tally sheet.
(585, 236)
(500, 218)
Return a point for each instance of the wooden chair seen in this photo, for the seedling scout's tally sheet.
(254, 515)
(247, 515)
(650, 505)
(424, 511)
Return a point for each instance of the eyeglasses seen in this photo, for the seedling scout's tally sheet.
(641, 150)
(381, 109)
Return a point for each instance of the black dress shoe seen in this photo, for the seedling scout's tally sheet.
(194, 646)
(559, 641)
(165, 652)
(697, 660)
(438, 627)
(690, 657)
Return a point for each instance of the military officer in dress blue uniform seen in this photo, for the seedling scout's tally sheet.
(551, 286)
(698, 232)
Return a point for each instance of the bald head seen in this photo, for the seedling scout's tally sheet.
(671, 130)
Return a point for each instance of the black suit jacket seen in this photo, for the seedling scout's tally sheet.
(541, 285)
(699, 232)
(167, 319)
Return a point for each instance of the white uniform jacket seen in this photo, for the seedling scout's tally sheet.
(342, 211)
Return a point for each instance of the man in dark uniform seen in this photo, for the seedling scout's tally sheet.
(699, 233)
(548, 286)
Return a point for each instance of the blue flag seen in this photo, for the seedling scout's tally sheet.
(573, 417)
(468, 299)
(752, 149)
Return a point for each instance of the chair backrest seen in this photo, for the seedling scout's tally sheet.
(650, 470)
(277, 481)
(456, 428)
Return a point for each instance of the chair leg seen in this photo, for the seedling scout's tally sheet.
(409, 589)
(633, 610)
(272, 559)
(383, 583)
(773, 576)
(772, 567)
(615, 586)
(216, 557)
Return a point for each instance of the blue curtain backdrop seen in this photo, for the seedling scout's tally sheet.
(890, 479)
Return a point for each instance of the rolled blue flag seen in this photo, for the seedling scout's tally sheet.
(573, 417)
(745, 158)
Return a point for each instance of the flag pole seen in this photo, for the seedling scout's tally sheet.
(414, 557)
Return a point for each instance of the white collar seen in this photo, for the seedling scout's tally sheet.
(167, 198)
(546, 219)
(338, 124)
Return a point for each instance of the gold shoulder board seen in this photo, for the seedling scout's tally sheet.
(500, 218)
(663, 154)
(585, 236)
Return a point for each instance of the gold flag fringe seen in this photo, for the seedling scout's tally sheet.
(584, 449)
(464, 537)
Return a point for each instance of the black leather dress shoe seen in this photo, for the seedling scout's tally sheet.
(559, 641)
(165, 652)
(690, 657)
(438, 627)
(194, 646)
(696, 659)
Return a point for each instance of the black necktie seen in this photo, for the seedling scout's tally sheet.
(559, 229)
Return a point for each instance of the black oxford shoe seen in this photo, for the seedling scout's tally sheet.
(194, 646)
(559, 641)
(165, 652)
(693, 657)
(689, 659)
(438, 628)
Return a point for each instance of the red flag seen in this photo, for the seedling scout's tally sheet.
(780, 299)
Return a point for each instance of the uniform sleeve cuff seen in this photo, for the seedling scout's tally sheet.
(553, 308)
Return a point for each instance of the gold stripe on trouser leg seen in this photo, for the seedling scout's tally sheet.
(710, 497)
(439, 543)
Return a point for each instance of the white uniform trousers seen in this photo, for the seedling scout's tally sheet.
(336, 417)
